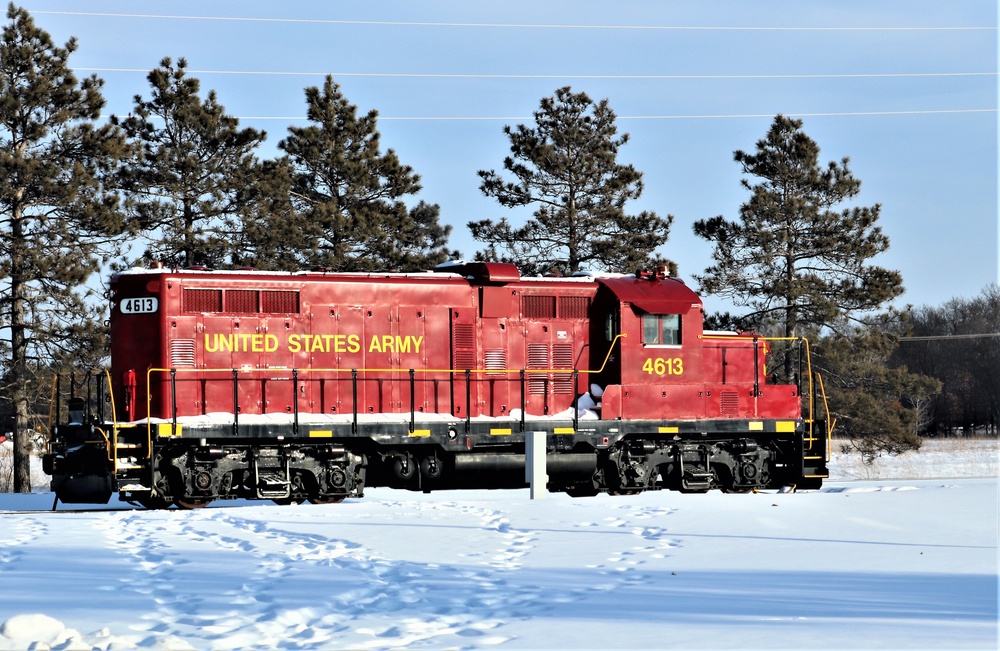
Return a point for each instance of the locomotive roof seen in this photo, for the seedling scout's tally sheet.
(653, 292)
(656, 295)
(474, 273)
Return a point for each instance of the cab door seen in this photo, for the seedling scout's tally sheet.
(605, 342)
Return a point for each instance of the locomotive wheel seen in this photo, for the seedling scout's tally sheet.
(288, 501)
(335, 499)
(155, 502)
(191, 504)
(581, 491)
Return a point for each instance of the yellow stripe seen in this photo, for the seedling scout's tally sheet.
(500, 432)
(167, 429)
(320, 434)
(784, 426)
(756, 426)
(669, 430)
(563, 430)
(420, 432)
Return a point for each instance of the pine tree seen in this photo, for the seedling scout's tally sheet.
(335, 201)
(792, 257)
(566, 166)
(185, 189)
(58, 220)
(880, 408)
(801, 263)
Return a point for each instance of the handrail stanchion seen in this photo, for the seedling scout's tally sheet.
(354, 400)
(576, 400)
(524, 404)
(756, 369)
(173, 400)
(468, 400)
(295, 402)
(236, 403)
(413, 399)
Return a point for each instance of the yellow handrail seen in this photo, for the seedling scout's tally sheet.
(830, 422)
(453, 371)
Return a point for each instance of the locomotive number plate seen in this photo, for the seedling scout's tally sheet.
(143, 305)
(660, 366)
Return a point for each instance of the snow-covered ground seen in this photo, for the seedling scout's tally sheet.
(902, 559)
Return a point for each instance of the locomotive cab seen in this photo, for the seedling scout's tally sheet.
(651, 338)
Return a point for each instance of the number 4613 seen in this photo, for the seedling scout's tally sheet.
(661, 366)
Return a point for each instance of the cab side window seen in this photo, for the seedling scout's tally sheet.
(661, 329)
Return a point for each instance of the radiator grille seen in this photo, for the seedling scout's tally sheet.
(574, 307)
(539, 307)
(202, 300)
(279, 302)
(242, 301)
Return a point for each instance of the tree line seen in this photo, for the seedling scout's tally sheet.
(179, 182)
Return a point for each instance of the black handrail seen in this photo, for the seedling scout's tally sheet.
(236, 403)
(413, 401)
(354, 400)
(173, 399)
(295, 402)
(468, 400)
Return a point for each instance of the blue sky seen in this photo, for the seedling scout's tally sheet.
(906, 88)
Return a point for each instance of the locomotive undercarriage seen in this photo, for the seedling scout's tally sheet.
(731, 465)
(616, 457)
(192, 475)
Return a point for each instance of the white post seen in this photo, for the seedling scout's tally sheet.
(534, 464)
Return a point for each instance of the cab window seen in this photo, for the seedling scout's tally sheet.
(661, 329)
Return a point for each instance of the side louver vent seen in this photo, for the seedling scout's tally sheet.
(182, 352)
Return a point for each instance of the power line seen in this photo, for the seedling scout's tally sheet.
(902, 75)
(458, 118)
(403, 23)
(984, 335)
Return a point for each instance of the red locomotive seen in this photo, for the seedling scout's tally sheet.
(313, 386)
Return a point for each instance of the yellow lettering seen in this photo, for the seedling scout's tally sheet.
(416, 343)
(375, 346)
(257, 343)
(403, 344)
(294, 345)
(317, 345)
(661, 366)
(388, 344)
(227, 343)
(270, 343)
(209, 347)
(353, 344)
